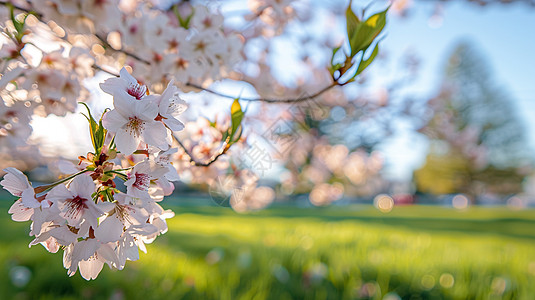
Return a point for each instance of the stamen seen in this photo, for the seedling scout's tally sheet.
(135, 126)
(142, 181)
(123, 212)
(138, 91)
(75, 206)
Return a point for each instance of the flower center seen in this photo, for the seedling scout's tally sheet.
(123, 213)
(135, 126)
(137, 91)
(142, 181)
(75, 206)
(181, 63)
(163, 160)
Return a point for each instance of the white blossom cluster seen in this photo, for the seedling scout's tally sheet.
(46, 58)
(86, 214)
(184, 42)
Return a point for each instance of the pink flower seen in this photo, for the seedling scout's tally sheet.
(133, 122)
(138, 182)
(15, 182)
(170, 106)
(76, 204)
(126, 84)
(18, 185)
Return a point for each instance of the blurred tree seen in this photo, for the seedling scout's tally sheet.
(477, 143)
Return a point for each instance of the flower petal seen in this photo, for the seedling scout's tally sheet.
(15, 181)
(110, 230)
(126, 143)
(146, 110)
(107, 253)
(127, 76)
(114, 85)
(173, 124)
(19, 212)
(155, 134)
(89, 269)
(28, 198)
(124, 104)
(59, 193)
(85, 249)
(83, 186)
(113, 120)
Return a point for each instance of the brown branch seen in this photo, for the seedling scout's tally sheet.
(135, 56)
(97, 67)
(193, 160)
(100, 38)
(267, 100)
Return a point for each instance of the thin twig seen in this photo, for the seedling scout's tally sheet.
(267, 100)
(39, 15)
(100, 38)
(97, 67)
(193, 160)
(135, 56)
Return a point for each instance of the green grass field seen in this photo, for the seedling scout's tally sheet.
(354, 252)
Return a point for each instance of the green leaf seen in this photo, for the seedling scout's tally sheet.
(367, 31)
(93, 127)
(365, 63)
(183, 22)
(16, 23)
(236, 116)
(335, 50)
(237, 136)
(19, 25)
(352, 22)
(100, 135)
(212, 124)
(334, 67)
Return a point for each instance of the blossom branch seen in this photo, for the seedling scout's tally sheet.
(64, 38)
(44, 188)
(103, 40)
(135, 56)
(193, 160)
(267, 100)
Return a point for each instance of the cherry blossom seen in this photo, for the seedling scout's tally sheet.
(75, 203)
(124, 84)
(161, 50)
(133, 122)
(139, 178)
(170, 107)
(15, 182)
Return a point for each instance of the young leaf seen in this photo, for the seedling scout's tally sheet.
(100, 136)
(236, 116)
(334, 67)
(19, 26)
(93, 127)
(183, 22)
(237, 135)
(367, 31)
(352, 22)
(365, 63)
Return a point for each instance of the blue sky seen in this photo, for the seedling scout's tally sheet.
(503, 34)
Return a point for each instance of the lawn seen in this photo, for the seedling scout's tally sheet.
(351, 252)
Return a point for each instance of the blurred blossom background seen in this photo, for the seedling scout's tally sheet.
(445, 110)
(415, 181)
